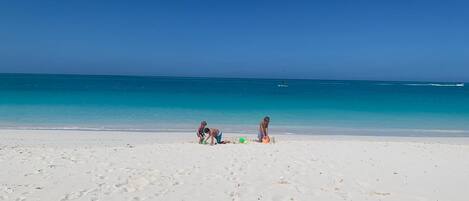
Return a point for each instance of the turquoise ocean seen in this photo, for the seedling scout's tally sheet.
(141, 104)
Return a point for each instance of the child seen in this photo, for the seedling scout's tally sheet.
(263, 135)
(214, 133)
(200, 132)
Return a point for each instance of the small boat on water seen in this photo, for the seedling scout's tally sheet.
(283, 85)
(460, 85)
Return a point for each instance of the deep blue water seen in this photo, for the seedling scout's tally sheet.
(304, 107)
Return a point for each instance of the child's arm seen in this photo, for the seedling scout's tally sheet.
(208, 136)
(263, 130)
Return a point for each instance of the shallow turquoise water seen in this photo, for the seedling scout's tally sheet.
(305, 106)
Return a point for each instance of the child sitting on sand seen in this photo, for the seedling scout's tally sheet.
(200, 132)
(214, 133)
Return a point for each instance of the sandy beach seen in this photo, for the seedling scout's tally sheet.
(88, 165)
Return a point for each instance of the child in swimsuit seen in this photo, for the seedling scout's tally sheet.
(263, 129)
(200, 131)
(214, 133)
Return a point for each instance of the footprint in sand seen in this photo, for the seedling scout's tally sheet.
(20, 199)
(234, 196)
(133, 183)
(136, 183)
(73, 195)
(282, 180)
(136, 199)
(181, 171)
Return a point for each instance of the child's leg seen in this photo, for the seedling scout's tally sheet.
(219, 138)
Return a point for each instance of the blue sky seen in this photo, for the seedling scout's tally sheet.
(378, 40)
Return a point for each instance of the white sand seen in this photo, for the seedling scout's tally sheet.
(78, 165)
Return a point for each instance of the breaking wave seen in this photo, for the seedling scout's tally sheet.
(437, 85)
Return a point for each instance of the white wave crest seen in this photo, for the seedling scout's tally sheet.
(437, 85)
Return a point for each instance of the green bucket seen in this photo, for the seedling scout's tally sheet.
(242, 140)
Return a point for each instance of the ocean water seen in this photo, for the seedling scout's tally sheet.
(236, 105)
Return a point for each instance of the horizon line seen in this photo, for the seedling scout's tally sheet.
(221, 77)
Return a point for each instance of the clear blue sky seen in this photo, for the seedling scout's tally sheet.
(383, 40)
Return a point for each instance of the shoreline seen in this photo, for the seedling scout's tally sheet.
(276, 130)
